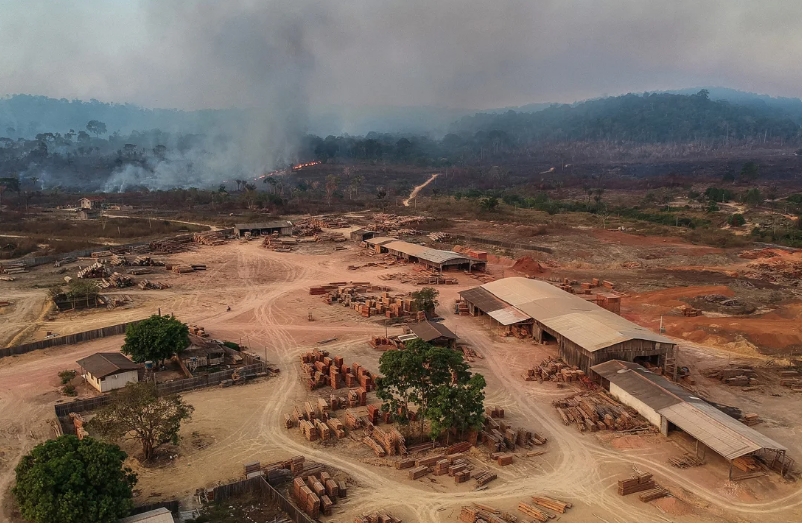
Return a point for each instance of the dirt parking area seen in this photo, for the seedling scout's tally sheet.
(270, 305)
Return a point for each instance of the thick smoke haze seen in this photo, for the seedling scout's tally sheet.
(288, 63)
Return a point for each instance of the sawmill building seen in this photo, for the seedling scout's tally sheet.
(669, 407)
(280, 227)
(585, 333)
(432, 258)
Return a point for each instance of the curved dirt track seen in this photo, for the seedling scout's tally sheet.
(263, 289)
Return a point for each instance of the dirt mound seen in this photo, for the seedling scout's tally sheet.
(758, 253)
(527, 266)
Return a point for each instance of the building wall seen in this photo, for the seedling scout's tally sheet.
(644, 410)
(115, 381)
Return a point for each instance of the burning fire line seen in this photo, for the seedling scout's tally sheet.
(277, 172)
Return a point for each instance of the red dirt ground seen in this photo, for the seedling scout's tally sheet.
(634, 240)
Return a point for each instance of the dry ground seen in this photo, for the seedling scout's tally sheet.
(268, 295)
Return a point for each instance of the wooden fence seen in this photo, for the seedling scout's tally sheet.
(70, 339)
(164, 389)
(262, 487)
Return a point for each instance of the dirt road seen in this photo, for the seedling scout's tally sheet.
(418, 189)
(268, 295)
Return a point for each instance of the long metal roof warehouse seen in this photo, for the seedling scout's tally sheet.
(586, 333)
(668, 406)
(435, 258)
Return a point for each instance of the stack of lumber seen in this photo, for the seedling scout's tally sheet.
(182, 269)
(13, 268)
(377, 449)
(686, 461)
(483, 477)
(637, 483)
(485, 514)
(552, 504)
(178, 243)
(747, 464)
(751, 419)
(152, 285)
(594, 411)
(533, 512)
(742, 376)
(652, 494)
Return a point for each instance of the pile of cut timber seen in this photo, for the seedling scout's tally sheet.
(147, 261)
(747, 464)
(686, 461)
(483, 477)
(96, 270)
(209, 238)
(377, 517)
(13, 268)
(323, 370)
(735, 376)
(317, 493)
(554, 370)
(596, 411)
(533, 512)
(116, 280)
(637, 483)
(499, 437)
(653, 494)
(480, 513)
(152, 285)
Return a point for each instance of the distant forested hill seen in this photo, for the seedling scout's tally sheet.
(648, 118)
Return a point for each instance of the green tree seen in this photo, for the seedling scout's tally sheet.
(426, 299)
(750, 171)
(96, 127)
(155, 339)
(74, 481)
(422, 375)
(137, 412)
(736, 220)
(458, 406)
(489, 204)
(753, 197)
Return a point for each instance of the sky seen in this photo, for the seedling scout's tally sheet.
(450, 53)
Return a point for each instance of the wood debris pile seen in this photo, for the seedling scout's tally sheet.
(498, 436)
(735, 376)
(556, 370)
(180, 243)
(96, 270)
(377, 517)
(594, 411)
(685, 462)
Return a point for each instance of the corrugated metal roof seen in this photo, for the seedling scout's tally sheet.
(380, 240)
(483, 299)
(159, 515)
(429, 330)
(424, 253)
(102, 364)
(650, 388)
(724, 435)
(264, 225)
(584, 323)
(508, 316)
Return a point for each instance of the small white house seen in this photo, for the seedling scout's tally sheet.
(159, 515)
(107, 371)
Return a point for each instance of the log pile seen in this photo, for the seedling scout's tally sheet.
(483, 477)
(653, 494)
(180, 243)
(147, 261)
(555, 370)
(552, 504)
(13, 268)
(533, 512)
(96, 270)
(116, 280)
(209, 238)
(594, 411)
(152, 285)
(735, 376)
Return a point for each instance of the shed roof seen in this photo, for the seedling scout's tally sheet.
(483, 299)
(508, 316)
(159, 515)
(102, 364)
(720, 432)
(425, 253)
(584, 323)
(429, 330)
(380, 240)
(276, 224)
(725, 435)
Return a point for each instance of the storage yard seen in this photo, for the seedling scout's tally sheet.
(583, 419)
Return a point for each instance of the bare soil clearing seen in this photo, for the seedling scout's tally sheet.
(270, 304)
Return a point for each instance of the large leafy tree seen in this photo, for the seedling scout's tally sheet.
(426, 299)
(74, 481)
(156, 338)
(436, 380)
(137, 412)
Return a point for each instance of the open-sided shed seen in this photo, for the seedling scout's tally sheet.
(280, 227)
